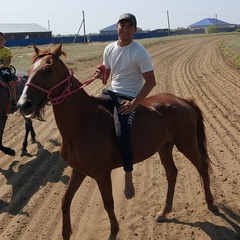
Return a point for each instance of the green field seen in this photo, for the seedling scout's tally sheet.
(76, 52)
(231, 49)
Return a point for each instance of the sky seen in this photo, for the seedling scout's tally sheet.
(66, 17)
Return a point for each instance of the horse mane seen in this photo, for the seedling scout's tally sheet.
(38, 53)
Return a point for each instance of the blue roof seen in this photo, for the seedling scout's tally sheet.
(112, 28)
(208, 22)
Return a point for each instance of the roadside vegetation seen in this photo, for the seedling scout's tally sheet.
(230, 48)
(77, 52)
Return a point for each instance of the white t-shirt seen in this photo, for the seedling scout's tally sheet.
(127, 65)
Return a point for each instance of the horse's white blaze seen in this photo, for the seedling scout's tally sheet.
(24, 91)
(36, 64)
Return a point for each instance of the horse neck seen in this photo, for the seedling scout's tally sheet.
(74, 109)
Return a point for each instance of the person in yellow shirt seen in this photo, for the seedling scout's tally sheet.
(5, 61)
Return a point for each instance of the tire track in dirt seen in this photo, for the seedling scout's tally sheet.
(165, 60)
(214, 95)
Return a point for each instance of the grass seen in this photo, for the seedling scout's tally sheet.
(231, 49)
(77, 52)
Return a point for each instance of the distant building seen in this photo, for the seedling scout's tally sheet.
(111, 30)
(17, 31)
(221, 25)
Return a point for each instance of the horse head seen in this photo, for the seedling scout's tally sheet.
(44, 83)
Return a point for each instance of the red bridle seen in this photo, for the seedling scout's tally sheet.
(67, 91)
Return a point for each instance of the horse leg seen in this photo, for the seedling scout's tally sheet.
(74, 183)
(165, 154)
(5, 150)
(23, 151)
(195, 150)
(33, 134)
(203, 170)
(105, 187)
(28, 128)
(205, 180)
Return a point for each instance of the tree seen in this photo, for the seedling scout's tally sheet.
(212, 29)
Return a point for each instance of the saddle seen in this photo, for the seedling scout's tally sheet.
(10, 73)
(5, 74)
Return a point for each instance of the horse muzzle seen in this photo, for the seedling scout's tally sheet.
(26, 108)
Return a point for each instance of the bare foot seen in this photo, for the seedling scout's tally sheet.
(129, 187)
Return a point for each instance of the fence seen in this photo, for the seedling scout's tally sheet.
(92, 38)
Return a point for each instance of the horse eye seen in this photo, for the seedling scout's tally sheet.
(48, 69)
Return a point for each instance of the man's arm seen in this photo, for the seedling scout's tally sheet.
(150, 83)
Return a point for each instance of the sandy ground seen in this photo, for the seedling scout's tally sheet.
(31, 187)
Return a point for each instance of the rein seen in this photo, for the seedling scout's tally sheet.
(67, 91)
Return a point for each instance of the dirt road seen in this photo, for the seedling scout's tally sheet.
(31, 187)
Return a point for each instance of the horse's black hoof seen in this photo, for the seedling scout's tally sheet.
(8, 151)
(23, 153)
(213, 208)
(33, 141)
(12, 152)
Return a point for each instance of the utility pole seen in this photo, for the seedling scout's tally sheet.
(78, 32)
(48, 24)
(216, 22)
(168, 24)
(84, 30)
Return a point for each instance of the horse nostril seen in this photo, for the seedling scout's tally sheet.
(25, 105)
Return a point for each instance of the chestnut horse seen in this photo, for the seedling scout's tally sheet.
(89, 143)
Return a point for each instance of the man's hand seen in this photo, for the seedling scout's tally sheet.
(127, 107)
(98, 74)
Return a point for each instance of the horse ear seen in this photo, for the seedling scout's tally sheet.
(58, 50)
(36, 49)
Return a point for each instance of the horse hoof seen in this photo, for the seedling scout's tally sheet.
(11, 152)
(33, 141)
(160, 219)
(8, 151)
(213, 208)
(111, 237)
(23, 153)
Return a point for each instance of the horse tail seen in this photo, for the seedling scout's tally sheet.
(201, 136)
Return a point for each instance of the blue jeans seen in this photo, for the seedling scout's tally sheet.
(123, 131)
